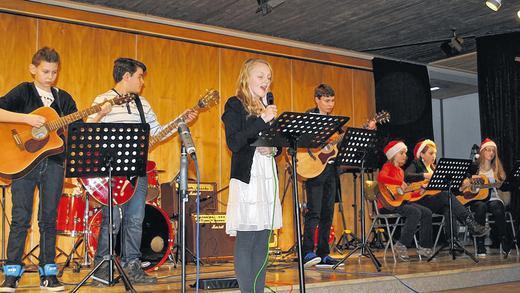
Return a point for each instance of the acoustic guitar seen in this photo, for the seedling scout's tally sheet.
(394, 196)
(478, 190)
(25, 146)
(312, 162)
(123, 189)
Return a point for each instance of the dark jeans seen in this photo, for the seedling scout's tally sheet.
(497, 209)
(250, 252)
(440, 204)
(321, 192)
(415, 214)
(48, 177)
(133, 215)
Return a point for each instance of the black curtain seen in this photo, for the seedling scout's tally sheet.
(499, 98)
(403, 89)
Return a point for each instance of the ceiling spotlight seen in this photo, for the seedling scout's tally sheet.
(452, 46)
(494, 4)
(266, 6)
(518, 13)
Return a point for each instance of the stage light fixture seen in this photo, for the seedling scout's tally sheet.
(518, 13)
(494, 4)
(453, 46)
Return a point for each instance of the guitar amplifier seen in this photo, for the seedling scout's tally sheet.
(214, 242)
(170, 198)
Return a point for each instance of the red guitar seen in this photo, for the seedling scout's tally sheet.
(123, 189)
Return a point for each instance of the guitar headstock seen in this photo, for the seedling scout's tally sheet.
(210, 98)
(382, 117)
(119, 100)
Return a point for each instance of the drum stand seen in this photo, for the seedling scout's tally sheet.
(83, 237)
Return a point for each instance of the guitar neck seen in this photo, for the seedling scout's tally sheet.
(66, 120)
(415, 186)
(488, 185)
(167, 131)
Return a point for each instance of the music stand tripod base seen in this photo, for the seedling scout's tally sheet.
(106, 150)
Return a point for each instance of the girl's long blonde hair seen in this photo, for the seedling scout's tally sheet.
(496, 165)
(243, 93)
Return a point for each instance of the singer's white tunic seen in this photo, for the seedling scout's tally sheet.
(251, 206)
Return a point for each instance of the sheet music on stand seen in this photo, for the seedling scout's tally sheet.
(449, 171)
(311, 130)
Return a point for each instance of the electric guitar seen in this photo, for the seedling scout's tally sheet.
(123, 189)
(478, 190)
(395, 196)
(312, 162)
(25, 146)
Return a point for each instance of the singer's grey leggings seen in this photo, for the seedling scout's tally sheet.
(250, 251)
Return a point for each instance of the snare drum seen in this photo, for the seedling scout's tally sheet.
(156, 240)
(70, 213)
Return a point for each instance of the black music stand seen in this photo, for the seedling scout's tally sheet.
(356, 145)
(300, 130)
(450, 173)
(106, 150)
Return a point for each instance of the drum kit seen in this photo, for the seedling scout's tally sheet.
(80, 217)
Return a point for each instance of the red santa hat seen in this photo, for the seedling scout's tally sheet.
(487, 143)
(419, 147)
(393, 147)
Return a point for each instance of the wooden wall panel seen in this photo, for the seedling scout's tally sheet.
(178, 73)
(87, 57)
(18, 39)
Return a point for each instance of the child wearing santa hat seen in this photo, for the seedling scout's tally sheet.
(421, 168)
(490, 166)
(392, 174)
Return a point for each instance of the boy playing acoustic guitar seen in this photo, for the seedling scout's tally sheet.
(47, 175)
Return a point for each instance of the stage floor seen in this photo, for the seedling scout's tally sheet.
(283, 274)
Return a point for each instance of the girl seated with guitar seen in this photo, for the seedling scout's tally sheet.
(392, 174)
(421, 170)
(490, 168)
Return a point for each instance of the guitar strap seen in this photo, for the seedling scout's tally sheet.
(140, 108)
(139, 105)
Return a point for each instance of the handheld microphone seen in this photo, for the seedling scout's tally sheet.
(184, 133)
(270, 98)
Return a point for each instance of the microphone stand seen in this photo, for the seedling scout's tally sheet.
(183, 191)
